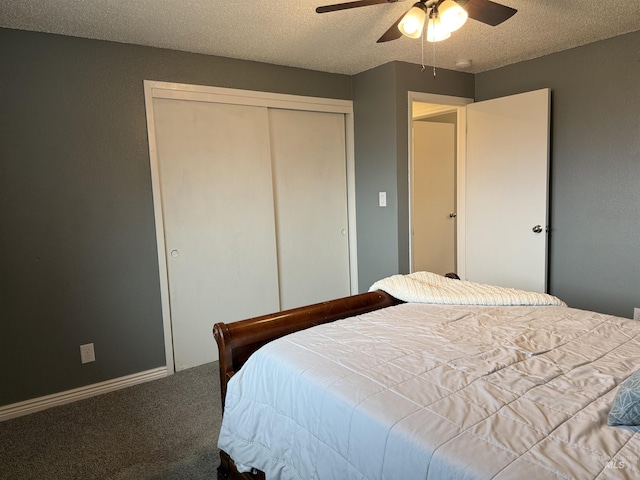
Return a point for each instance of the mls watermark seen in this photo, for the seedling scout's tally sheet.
(616, 464)
(620, 462)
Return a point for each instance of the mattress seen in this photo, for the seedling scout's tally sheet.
(419, 391)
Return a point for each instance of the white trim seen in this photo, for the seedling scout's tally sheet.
(159, 222)
(461, 197)
(42, 403)
(457, 104)
(439, 99)
(201, 93)
(351, 202)
(154, 89)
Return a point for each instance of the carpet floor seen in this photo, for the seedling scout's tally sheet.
(163, 429)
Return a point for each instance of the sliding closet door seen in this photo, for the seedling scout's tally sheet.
(309, 171)
(217, 202)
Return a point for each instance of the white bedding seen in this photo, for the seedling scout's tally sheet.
(427, 287)
(420, 391)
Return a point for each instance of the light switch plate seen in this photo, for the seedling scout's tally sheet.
(382, 199)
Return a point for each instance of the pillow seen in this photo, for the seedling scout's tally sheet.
(626, 404)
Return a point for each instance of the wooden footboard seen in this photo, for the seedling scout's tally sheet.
(238, 340)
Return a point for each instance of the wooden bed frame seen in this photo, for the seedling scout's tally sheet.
(238, 340)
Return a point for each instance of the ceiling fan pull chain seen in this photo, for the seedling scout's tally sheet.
(434, 59)
(423, 68)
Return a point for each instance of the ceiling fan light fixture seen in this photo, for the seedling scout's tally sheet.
(452, 15)
(436, 32)
(412, 23)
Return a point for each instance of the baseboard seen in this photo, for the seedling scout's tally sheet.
(42, 403)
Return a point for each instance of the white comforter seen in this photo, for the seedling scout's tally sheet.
(421, 391)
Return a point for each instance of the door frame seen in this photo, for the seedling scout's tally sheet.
(168, 90)
(458, 105)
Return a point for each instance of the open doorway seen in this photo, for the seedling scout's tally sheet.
(436, 182)
(433, 191)
(501, 186)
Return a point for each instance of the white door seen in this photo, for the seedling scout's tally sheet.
(433, 197)
(217, 203)
(507, 191)
(310, 183)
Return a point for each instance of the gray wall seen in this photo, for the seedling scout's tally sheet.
(376, 153)
(595, 168)
(78, 259)
(381, 112)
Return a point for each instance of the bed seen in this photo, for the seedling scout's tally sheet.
(387, 385)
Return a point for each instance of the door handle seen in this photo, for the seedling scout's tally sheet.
(537, 229)
(453, 215)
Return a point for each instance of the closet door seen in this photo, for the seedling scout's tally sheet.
(217, 202)
(310, 187)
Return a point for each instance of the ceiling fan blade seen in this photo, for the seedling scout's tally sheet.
(393, 33)
(356, 4)
(488, 12)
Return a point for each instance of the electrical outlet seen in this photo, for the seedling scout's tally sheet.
(636, 313)
(87, 353)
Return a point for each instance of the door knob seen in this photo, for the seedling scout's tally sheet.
(175, 253)
(537, 229)
(453, 215)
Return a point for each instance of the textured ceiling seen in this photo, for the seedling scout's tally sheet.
(289, 32)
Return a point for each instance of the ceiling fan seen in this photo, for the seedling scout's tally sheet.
(444, 16)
